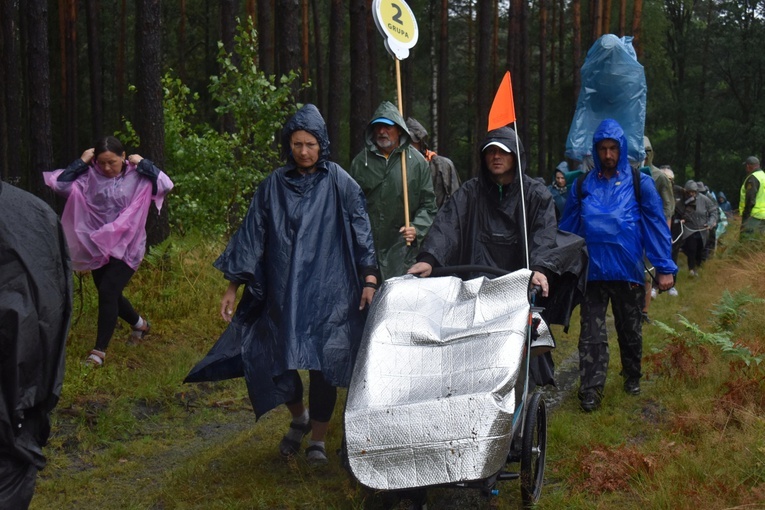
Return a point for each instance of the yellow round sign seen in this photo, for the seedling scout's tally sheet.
(396, 22)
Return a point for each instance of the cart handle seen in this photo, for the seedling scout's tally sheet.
(452, 270)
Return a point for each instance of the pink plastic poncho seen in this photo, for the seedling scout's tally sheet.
(106, 217)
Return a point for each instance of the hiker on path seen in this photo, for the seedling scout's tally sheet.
(305, 255)
(108, 197)
(619, 227)
(377, 169)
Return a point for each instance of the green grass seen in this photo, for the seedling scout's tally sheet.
(131, 436)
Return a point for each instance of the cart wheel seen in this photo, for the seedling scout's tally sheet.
(533, 450)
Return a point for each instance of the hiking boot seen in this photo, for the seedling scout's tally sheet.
(590, 401)
(672, 291)
(632, 386)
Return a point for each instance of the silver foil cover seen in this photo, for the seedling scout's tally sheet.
(433, 393)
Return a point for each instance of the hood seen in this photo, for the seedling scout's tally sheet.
(389, 111)
(307, 119)
(721, 196)
(506, 137)
(610, 129)
(417, 132)
(649, 155)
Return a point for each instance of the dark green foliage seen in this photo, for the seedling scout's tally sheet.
(216, 173)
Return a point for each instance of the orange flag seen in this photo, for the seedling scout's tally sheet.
(502, 110)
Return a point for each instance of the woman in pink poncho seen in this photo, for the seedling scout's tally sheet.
(108, 197)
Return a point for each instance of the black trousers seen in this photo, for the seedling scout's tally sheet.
(694, 250)
(626, 303)
(110, 281)
(321, 395)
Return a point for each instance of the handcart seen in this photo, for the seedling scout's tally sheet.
(441, 392)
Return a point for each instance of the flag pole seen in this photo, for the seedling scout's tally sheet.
(523, 196)
(404, 181)
(502, 114)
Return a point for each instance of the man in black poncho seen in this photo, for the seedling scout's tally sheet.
(482, 224)
(35, 308)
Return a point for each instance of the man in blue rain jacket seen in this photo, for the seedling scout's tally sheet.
(619, 222)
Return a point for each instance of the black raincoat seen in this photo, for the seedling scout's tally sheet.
(482, 225)
(35, 308)
(301, 252)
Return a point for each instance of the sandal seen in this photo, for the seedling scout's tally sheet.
(316, 455)
(95, 358)
(139, 334)
(288, 446)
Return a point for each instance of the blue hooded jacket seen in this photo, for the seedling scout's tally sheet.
(617, 228)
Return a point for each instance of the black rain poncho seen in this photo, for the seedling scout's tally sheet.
(480, 225)
(300, 252)
(35, 308)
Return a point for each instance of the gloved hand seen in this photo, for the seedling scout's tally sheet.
(74, 170)
(151, 172)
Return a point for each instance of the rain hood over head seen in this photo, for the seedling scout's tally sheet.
(506, 139)
(481, 225)
(417, 131)
(380, 178)
(308, 119)
(616, 227)
(301, 252)
(387, 110)
(613, 86)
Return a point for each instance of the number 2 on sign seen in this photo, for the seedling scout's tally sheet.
(397, 17)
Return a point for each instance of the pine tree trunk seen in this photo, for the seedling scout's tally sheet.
(542, 106)
(266, 36)
(289, 39)
(228, 13)
(443, 82)
(337, 82)
(38, 85)
(96, 71)
(576, 46)
(11, 146)
(637, 31)
(360, 83)
(68, 35)
(149, 116)
(319, 77)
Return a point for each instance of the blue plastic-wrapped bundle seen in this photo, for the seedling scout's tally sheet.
(613, 86)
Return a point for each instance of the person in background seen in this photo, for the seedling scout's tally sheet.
(35, 309)
(377, 169)
(619, 228)
(675, 226)
(711, 241)
(108, 196)
(445, 178)
(559, 190)
(722, 202)
(698, 215)
(305, 254)
(751, 204)
(664, 187)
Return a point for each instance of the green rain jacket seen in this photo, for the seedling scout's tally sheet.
(381, 181)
